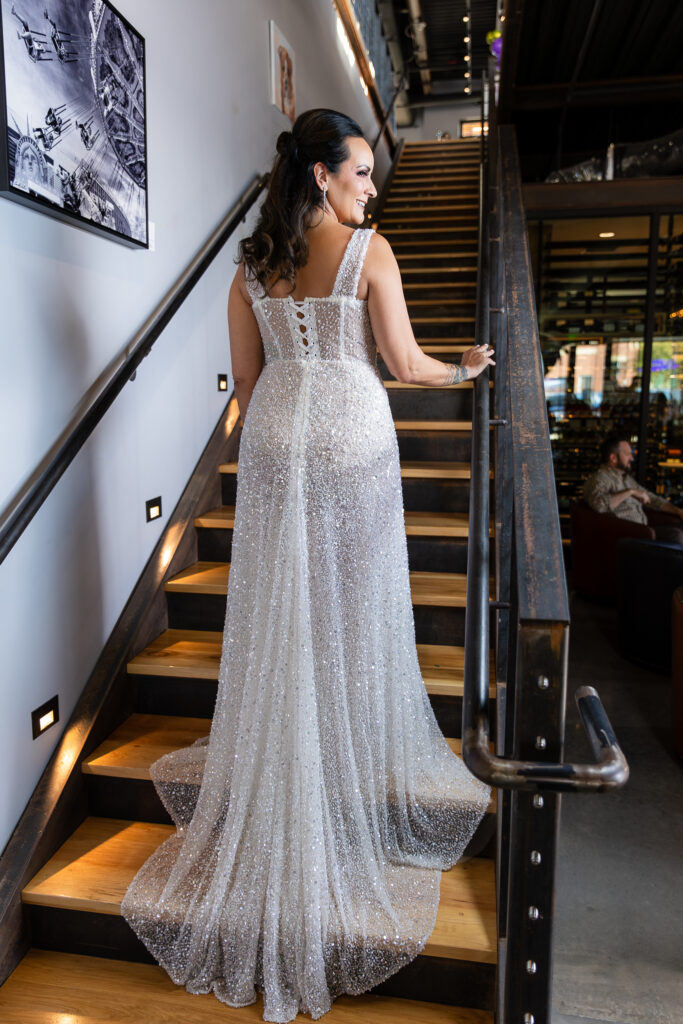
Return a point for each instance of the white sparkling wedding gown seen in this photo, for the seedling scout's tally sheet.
(314, 821)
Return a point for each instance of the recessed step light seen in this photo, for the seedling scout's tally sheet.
(45, 716)
(153, 509)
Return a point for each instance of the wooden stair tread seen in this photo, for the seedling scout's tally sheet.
(443, 348)
(139, 741)
(436, 301)
(185, 653)
(441, 319)
(439, 524)
(91, 871)
(445, 589)
(397, 385)
(409, 470)
(435, 470)
(200, 578)
(442, 589)
(65, 988)
(460, 426)
(418, 524)
(461, 342)
(222, 518)
(196, 654)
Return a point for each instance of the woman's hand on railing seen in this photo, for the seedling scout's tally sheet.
(477, 358)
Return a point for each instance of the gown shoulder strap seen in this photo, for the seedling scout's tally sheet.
(254, 289)
(352, 262)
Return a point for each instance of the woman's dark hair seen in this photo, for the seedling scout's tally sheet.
(278, 243)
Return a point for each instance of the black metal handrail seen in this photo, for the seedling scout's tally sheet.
(540, 582)
(139, 347)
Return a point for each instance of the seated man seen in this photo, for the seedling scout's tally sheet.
(612, 490)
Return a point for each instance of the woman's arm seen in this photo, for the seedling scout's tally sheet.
(394, 335)
(246, 348)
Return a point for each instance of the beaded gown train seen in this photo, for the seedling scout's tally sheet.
(313, 822)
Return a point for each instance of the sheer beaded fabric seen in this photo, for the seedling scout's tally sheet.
(315, 819)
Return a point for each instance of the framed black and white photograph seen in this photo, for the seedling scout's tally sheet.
(282, 73)
(73, 137)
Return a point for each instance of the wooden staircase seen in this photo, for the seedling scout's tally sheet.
(430, 219)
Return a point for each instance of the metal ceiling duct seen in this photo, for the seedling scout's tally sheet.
(404, 115)
(418, 26)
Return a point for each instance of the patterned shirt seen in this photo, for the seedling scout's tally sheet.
(606, 481)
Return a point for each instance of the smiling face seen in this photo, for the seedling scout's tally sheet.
(349, 190)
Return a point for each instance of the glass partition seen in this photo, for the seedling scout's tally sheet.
(590, 276)
(665, 421)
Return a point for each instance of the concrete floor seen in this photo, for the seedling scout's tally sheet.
(619, 909)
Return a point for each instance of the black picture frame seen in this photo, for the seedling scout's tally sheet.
(85, 162)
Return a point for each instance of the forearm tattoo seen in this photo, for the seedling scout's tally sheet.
(455, 373)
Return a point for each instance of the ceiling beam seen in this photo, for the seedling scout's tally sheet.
(548, 96)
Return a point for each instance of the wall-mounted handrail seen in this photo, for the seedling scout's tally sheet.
(540, 582)
(139, 347)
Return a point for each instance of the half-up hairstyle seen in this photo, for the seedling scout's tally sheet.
(278, 244)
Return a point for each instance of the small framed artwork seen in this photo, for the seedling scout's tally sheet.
(282, 73)
(73, 139)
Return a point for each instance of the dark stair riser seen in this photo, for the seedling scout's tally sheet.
(453, 281)
(138, 800)
(195, 698)
(453, 982)
(439, 554)
(425, 554)
(445, 238)
(433, 624)
(455, 239)
(414, 198)
(419, 495)
(438, 287)
(464, 259)
(434, 445)
(431, 403)
(462, 327)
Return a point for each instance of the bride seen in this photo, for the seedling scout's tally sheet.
(315, 819)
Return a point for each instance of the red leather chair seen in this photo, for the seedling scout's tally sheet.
(594, 549)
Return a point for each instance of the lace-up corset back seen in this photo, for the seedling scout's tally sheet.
(336, 326)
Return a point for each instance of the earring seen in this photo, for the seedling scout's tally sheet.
(324, 198)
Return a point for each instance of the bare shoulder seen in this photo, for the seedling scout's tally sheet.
(380, 259)
(380, 254)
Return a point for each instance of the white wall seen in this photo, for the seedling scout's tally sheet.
(447, 118)
(72, 300)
